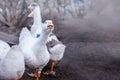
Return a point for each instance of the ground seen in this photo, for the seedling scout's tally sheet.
(88, 61)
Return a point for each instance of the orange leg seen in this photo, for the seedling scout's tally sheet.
(52, 67)
(37, 74)
(51, 71)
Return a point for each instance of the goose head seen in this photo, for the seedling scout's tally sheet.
(48, 26)
(32, 7)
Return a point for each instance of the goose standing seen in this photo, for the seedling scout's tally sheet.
(55, 47)
(11, 62)
(35, 49)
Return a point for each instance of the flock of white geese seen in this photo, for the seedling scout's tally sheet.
(37, 47)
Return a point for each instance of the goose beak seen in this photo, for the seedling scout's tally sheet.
(31, 14)
(50, 25)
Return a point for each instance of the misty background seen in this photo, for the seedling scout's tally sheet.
(89, 28)
(75, 20)
(84, 20)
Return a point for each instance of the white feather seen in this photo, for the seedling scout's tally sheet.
(4, 48)
(57, 52)
(34, 49)
(26, 42)
(52, 37)
(36, 28)
(12, 65)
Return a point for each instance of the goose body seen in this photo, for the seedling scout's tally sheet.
(11, 62)
(57, 52)
(35, 49)
(35, 54)
(55, 47)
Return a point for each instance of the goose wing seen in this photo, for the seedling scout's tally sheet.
(57, 51)
(52, 37)
(26, 40)
(25, 33)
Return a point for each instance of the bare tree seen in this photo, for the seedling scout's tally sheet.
(13, 13)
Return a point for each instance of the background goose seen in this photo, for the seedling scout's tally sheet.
(35, 49)
(11, 62)
(55, 47)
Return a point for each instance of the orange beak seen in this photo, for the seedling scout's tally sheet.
(50, 25)
(31, 14)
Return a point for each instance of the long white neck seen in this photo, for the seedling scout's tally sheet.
(43, 38)
(37, 16)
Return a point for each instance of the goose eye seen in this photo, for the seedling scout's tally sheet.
(38, 35)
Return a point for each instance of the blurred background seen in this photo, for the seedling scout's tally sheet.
(89, 28)
(91, 20)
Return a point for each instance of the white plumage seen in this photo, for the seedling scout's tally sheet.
(56, 48)
(53, 37)
(4, 48)
(36, 28)
(12, 62)
(35, 49)
(57, 52)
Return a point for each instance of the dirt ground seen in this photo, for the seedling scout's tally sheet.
(88, 61)
(91, 54)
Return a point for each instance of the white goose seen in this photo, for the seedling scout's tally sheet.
(56, 48)
(35, 49)
(12, 64)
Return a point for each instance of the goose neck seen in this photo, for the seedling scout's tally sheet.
(43, 38)
(37, 16)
